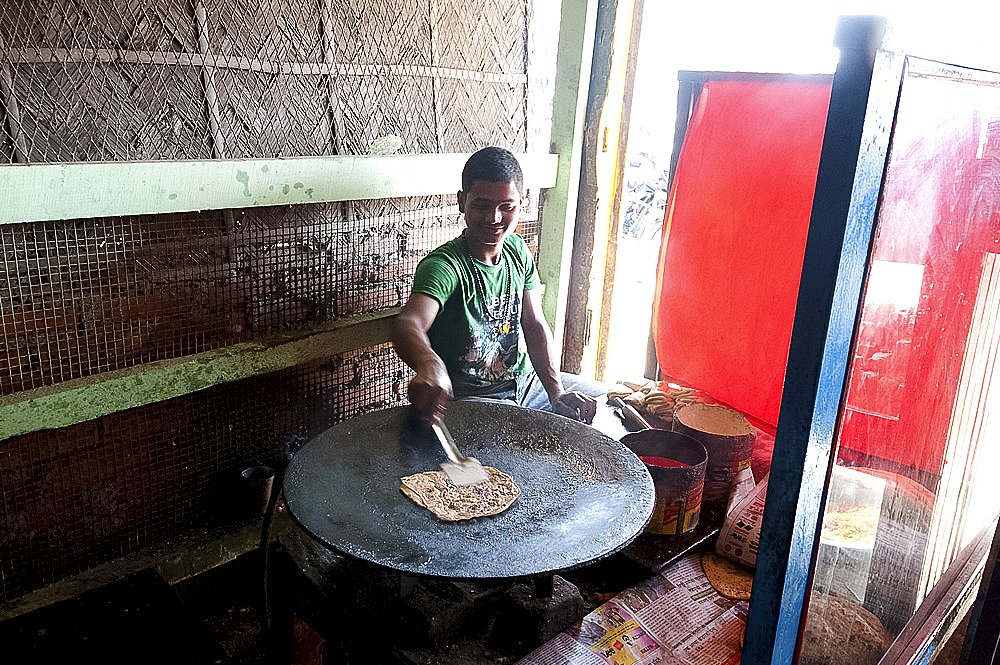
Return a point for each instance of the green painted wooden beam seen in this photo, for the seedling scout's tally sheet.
(39, 192)
(73, 191)
(80, 400)
(577, 27)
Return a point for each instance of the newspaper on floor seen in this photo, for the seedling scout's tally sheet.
(675, 617)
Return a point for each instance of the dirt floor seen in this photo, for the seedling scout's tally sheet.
(230, 602)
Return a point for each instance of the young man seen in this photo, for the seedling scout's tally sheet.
(473, 324)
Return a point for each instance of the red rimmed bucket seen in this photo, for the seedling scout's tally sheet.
(677, 464)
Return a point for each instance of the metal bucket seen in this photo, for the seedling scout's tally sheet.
(728, 438)
(259, 483)
(677, 464)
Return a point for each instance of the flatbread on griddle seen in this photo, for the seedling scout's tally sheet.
(730, 579)
(452, 503)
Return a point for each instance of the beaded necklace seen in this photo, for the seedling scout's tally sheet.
(498, 316)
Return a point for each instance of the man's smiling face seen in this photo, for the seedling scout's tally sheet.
(492, 211)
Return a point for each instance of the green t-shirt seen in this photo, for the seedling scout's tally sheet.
(478, 330)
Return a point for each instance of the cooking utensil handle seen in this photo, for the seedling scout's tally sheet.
(631, 413)
(448, 443)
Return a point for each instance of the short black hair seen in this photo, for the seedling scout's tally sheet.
(492, 165)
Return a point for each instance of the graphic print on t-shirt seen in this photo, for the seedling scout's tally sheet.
(493, 345)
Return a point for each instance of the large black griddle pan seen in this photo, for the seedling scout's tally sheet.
(583, 497)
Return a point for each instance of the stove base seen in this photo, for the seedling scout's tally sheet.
(526, 620)
(370, 614)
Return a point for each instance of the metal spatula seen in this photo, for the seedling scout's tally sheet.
(460, 469)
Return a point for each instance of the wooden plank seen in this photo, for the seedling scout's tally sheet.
(208, 82)
(60, 56)
(39, 192)
(580, 280)
(577, 28)
(983, 634)
(12, 110)
(614, 207)
(945, 605)
(79, 400)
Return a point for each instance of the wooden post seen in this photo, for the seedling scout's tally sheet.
(577, 26)
(208, 81)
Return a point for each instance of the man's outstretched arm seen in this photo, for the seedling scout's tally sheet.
(430, 388)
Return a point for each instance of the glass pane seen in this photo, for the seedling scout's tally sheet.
(911, 484)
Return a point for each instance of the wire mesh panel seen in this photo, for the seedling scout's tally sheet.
(83, 297)
(266, 91)
(481, 37)
(180, 79)
(78, 496)
(363, 119)
(463, 100)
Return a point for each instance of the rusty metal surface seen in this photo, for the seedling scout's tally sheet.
(583, 497)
